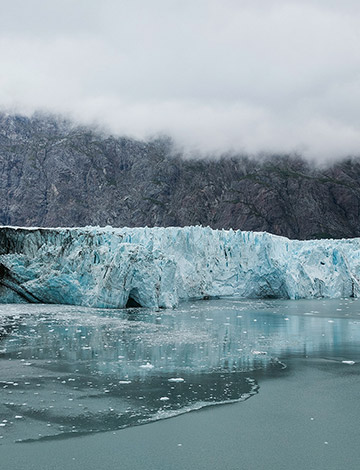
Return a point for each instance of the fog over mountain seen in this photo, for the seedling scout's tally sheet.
(226, 113)
(55, 173)
(275, 76)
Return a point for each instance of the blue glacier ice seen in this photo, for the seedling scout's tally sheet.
(159, 267)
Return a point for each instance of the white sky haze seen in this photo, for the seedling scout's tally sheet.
(217, 75)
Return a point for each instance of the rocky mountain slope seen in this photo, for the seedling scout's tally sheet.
(53, 173)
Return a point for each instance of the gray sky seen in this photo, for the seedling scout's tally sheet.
(246, 75)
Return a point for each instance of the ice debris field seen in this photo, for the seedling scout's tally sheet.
(159, 267)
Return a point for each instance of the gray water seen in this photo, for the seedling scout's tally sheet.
(67, 371)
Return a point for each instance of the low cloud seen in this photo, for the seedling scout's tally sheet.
(217, 75)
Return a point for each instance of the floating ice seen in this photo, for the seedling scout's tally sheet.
(147, 366)
(158, 267)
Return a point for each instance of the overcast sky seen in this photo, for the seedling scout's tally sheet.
(218, 75)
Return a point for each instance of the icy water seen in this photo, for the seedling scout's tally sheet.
(66, 371)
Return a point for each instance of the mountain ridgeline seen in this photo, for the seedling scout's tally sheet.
(54, 173)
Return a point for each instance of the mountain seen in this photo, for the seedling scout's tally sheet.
(56, 173)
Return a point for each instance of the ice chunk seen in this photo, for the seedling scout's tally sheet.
(147, 366)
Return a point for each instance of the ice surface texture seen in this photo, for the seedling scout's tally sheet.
(158, 267)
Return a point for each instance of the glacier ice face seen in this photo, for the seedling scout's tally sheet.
(158, 267)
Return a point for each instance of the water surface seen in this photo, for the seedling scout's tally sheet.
(66, 371)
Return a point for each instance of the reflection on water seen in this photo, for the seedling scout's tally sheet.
(67, 370)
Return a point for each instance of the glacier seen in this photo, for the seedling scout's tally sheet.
(160, 267)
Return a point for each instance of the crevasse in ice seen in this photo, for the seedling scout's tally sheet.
(158, 267)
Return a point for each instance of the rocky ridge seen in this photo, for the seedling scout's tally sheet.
(55, 173)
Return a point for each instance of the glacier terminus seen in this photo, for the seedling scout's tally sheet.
(160, 267)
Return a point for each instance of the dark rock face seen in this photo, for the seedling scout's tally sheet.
(53, 173)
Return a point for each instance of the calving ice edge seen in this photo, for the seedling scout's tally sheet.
(159, 267)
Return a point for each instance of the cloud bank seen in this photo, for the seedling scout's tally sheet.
(217, 75)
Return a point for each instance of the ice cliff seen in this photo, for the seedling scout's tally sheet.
(158, 267)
